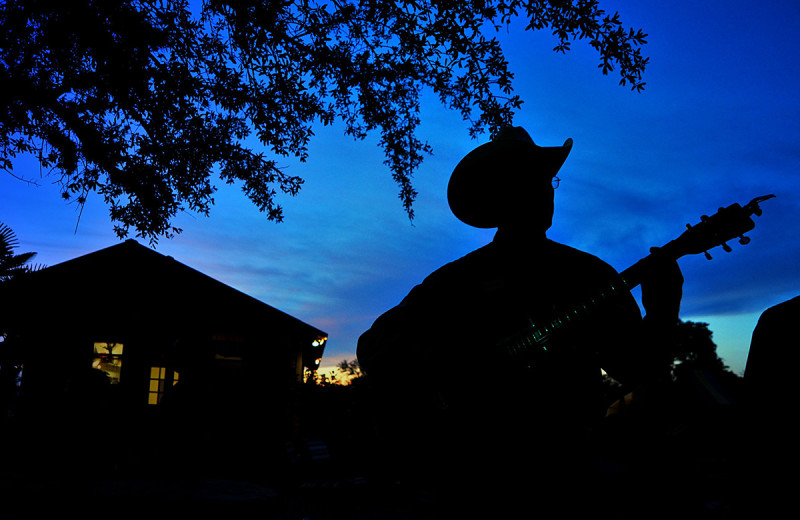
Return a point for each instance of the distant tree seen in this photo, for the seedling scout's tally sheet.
(694, 347)
(11, 266)
(697, 365)
(351, 370)
(140, 101)
(346, 373)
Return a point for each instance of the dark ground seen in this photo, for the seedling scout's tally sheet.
(714, 465)
(705, 487)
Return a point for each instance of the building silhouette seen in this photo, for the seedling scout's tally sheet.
(134, 353)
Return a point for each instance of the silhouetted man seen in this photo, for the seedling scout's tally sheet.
(471, 424)
(773, 397)
(772, 362)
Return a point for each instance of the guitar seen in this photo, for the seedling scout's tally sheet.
(727, 224)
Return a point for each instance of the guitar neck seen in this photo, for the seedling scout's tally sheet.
(728, 223)
(633, 276)
(534, 339)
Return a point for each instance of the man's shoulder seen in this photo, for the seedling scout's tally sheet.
(786, 312)
(578, 258)
(491, 255)
(471, 265)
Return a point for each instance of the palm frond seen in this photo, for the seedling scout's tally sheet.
(8, 240)
(11, 264)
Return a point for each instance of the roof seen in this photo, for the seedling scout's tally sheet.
(131, 285)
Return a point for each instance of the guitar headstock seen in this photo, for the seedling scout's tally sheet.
(716, 230)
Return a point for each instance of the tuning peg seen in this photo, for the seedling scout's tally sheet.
(744, 240)
(708, 256)
(703, 218)
(726, 247)
(758, 211)
(688, 226)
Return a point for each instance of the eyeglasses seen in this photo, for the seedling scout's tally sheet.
(556, 181)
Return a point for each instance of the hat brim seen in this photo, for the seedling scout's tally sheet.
(480, 185)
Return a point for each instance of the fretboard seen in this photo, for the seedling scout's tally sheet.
(535, 336)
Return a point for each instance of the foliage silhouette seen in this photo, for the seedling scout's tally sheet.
(140, 101)
(12, 264)
(694, 345)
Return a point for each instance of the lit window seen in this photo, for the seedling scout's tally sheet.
(160, 380)
(108, 358)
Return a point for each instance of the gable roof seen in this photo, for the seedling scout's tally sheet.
(130, 285)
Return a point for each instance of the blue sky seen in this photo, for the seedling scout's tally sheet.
(718, 123)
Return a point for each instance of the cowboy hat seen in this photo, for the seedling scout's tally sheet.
(480, 185)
